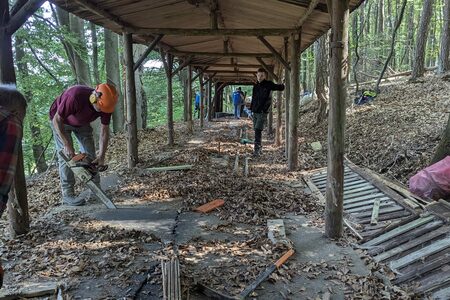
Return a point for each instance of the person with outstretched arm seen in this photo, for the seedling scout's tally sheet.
(72, 112)
(260, 105)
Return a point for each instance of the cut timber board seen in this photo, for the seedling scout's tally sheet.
(399, 230)
(424, 252)
(210, 206)
(411, 235)
(276, 231)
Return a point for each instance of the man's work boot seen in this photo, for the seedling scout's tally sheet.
(70, 199)
(257, 151)
(2, 273)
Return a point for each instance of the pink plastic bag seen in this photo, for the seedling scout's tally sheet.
(432, 182)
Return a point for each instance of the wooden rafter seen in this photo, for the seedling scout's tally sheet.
(274, 52)
(22, 15)
(322, 7)
(215, 32)
(147, 51)
(312, 5)
(226, 65)
(219, 54)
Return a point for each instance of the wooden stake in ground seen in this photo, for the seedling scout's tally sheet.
(336, 119)
(236, 164)
(246, 167)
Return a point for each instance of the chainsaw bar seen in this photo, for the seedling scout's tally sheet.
(85, 171)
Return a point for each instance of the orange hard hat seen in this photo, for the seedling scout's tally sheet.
(107, 97)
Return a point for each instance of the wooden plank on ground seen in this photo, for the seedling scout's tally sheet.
(399, 230)
(411, 244)
(435, 247)
(346, 184)
(30, 290)
(352, 228)
(368, 208)
(276, 231)
(347, 177)
(375, 212)
(367, 202)
(354, 194)
(379, 184)
(404, 238)
(210, 206)
(390, 216)
(382, 210)
(435, 281)
(169, 168)
(350, 200)
(315, 192)
(441, 294)
(422, 269)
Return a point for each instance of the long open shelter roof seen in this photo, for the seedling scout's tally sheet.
(225, 38)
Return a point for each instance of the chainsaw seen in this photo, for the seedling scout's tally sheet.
(82, 166)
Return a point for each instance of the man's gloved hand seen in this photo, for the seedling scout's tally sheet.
(69, 151)
(100, 160)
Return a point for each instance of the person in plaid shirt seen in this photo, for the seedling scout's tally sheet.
(12, 112)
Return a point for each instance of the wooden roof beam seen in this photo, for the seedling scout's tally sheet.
(147, 51)
(22, 14)
(227, 65)
(216, 32)
(218, 54)
(267, 68)
(275, 52)
(312, 5)
(231, 72)
(182, 65)
(211, 76)
(213, 14)
(322, 7)
(126, 27)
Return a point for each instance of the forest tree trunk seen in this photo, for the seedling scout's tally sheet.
(321, 62)
(36, 137)
(418, 68)
(443, 149)
(443, 63)
(112, 67)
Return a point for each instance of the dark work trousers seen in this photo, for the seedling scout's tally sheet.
(258, 135)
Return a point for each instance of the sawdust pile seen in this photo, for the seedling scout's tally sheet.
(395, 135)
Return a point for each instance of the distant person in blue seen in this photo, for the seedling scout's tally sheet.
(238, 100)
(197, 104)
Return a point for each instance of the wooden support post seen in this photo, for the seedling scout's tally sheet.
(295, 40)
(23, 14)
(167, 59)
(202, 101)
(270, 116)
(287, 89)
(189, 95)
(336, 118)
(210, 101)
(131, 124)
(279, 116)
(18, 201)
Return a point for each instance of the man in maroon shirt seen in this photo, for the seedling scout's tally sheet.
(72, 112)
